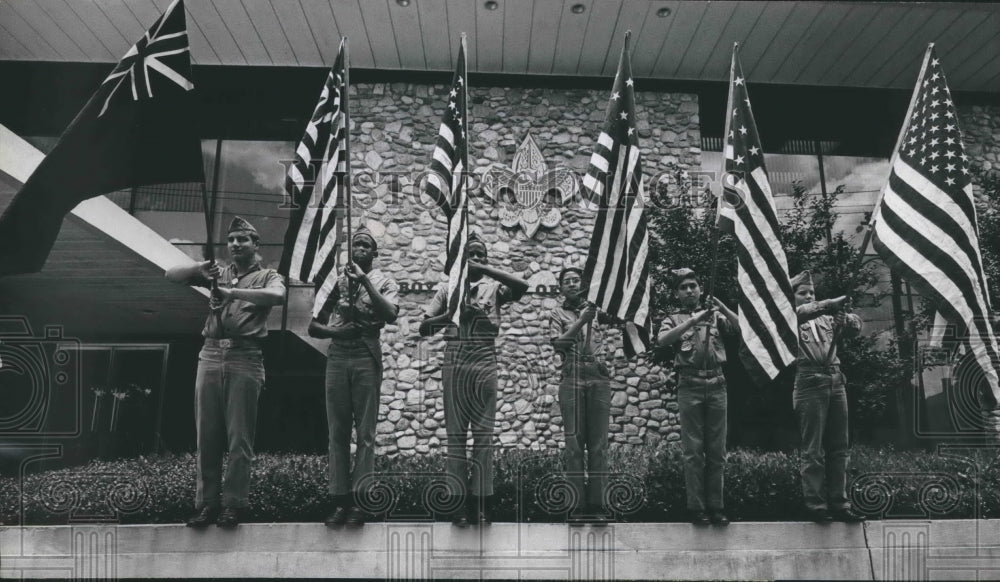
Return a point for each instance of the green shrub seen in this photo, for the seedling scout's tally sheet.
(647, 485)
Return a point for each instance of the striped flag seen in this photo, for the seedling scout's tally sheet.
(616, 268)
(317, 186)
(766, 310)
(447, 186)
(926, 226)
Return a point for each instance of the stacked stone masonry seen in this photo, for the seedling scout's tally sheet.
(393, 131)
(981, 133)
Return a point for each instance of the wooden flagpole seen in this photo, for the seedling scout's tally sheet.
(348, 204)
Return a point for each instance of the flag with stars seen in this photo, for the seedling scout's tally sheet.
(617, 273)
(316, 183)
(447, 184)
(766, 310)
(925, 225)
(137, 129)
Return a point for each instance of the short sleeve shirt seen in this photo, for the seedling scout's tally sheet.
(562, 317)
(485, 297)
(816, 335)
(359, 313)
(243, 319)
(689, 351)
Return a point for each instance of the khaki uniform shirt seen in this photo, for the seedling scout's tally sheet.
(816, 335)
(341, 313)
(485, 297)
(243, 319)
(689, 350)
(562, 317)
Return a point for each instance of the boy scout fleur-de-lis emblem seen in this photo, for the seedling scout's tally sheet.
(528, 193)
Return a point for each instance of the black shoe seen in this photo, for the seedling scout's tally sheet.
(700, 518)
(719, 518)
(476, 512)
(229, 518)
(355, 516)
(459, 518)
(204, 518)
(847, 515)
(819, 515)
(338, 517)
(480, 518)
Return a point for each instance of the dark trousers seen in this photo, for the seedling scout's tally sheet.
(702, 403)
(585, 402)
(820, 403)
(469, 378)
(226, 390)
(353, 384)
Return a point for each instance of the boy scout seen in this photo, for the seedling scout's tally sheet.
(469, 377)
(701, 393)
(362, 302)
(820, 402)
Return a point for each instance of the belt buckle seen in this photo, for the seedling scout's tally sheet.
(706, 373)
(225, 343)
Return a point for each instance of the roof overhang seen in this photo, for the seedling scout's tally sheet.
(847, 44)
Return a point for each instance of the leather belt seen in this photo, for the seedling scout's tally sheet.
(698, 373)
(236, 342)
(831, 369)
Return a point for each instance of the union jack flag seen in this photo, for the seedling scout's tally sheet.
(137, 129)
(164, 49)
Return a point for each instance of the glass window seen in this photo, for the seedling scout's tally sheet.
(252, 185)
(785, 172)
(859, 181)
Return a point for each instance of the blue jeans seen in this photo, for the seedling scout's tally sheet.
(585, 402)
(353, 384)
(469, 377)
(820, 403)
(702, 403)
(228, 383)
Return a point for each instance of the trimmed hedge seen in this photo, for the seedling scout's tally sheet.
(647, 484)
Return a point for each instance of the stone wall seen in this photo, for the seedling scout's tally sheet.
(981, 132)
(394, 126)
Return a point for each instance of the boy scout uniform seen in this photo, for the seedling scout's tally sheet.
(701, 397)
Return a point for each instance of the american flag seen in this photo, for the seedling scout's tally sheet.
(446, 184)
(317, 186)
(926, 226)
(767, 313)
(616, 268)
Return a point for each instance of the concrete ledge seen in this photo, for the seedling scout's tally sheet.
(965, 549)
